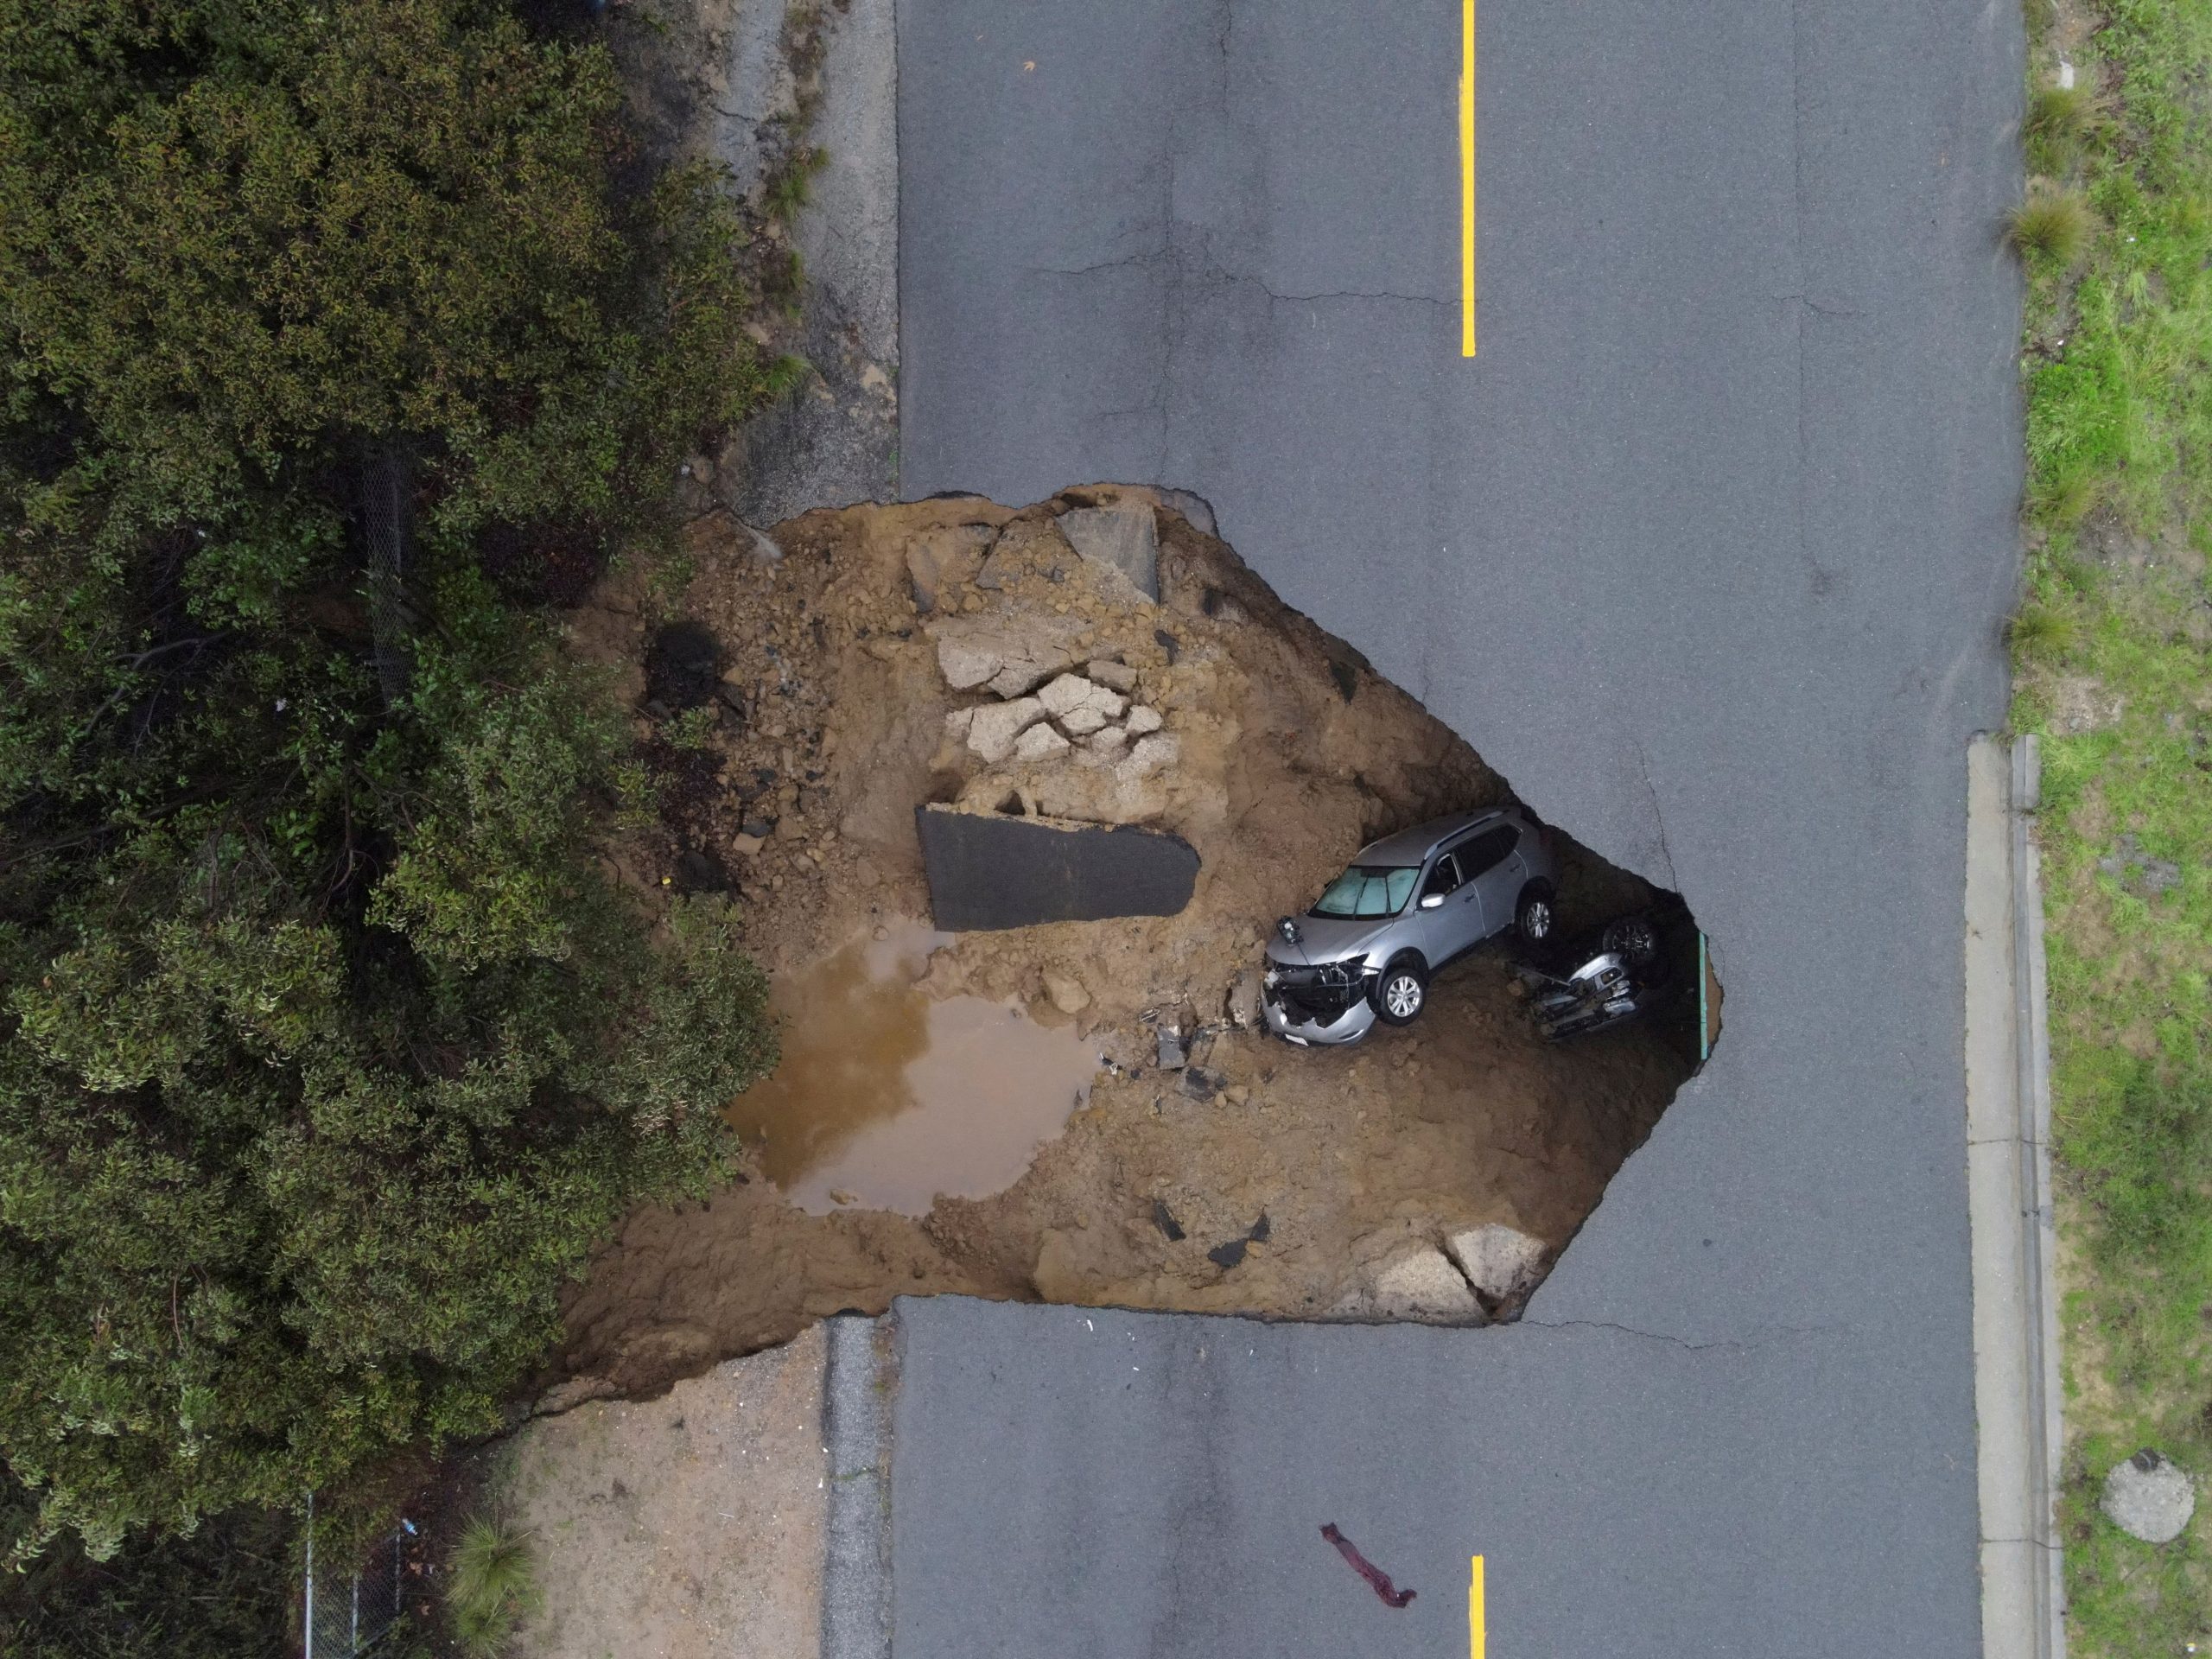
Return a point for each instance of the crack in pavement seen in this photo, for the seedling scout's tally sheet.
(1819, 307)
(1658, 816)
(1782, 1333)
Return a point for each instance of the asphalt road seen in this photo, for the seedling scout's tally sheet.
(1707, 551)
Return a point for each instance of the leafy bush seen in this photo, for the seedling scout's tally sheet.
(224, 1592)
(327, 1050)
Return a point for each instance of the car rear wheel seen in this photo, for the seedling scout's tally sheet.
(1533, 915)
(1402, 992)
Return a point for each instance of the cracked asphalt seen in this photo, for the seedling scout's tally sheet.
(1707, 551)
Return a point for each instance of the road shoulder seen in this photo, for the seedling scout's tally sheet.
(2008, 1165)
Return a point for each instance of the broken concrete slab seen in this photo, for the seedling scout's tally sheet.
(1118, 676)
(1421, 1284)
(1071, 694)
(1125, 537)
(995, 728)
(1009, 654)
(1498, 1261)
(987, 872)
(1142, 719)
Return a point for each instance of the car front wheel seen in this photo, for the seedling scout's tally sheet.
(1402, 992)
(1533, 915)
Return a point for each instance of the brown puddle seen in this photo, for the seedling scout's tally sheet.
(888, 1098)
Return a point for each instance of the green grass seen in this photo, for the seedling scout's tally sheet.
(2118, 371)
(491, 1588)
(2060, 121)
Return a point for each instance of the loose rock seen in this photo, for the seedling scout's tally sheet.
(1142, 719)
(1119, 677)
(1066, 992)
(2150, 1497)
(1200, 1084)
(940, 561)
(1497, 1260)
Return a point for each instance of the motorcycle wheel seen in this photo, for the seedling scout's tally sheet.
(1632, 939)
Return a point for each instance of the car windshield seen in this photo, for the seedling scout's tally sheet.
(1368, 892)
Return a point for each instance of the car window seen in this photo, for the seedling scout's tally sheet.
(1486, 851)
(1444, 878)
(1368, 892)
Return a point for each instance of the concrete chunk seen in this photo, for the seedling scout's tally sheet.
(1497, 1260)
(994, 728)
(1071, 692)
(1124, 537)
(1150, 754)
(1422, 1285)
(1011, 654)
(1040, 742)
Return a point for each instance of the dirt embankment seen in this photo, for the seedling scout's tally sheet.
(1276, 1181)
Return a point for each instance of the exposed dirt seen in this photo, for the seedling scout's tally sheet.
(1278, 753)
(684, 1528)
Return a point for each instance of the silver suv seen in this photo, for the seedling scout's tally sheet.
(1406, 904)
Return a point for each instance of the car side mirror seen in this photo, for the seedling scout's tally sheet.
(1431, 900)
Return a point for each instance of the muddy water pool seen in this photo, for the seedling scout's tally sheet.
(886, 1098)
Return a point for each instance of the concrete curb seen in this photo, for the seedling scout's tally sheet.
(2017, 1389)
(856, 1535)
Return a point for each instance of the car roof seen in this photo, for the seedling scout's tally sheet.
(1414, 845)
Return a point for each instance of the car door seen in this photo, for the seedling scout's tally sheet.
(1491, 865)
(1456, 924)
(1439, 924)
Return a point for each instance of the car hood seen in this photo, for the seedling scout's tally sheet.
(1327, 938)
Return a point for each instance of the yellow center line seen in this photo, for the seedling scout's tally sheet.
(1478, 1632)
(1467, 222)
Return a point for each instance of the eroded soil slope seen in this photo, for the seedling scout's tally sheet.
(1271, 1180)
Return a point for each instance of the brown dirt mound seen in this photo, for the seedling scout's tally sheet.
(1289, 752)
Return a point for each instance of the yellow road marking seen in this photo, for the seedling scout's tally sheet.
(1477, 1634)
(1467, 223)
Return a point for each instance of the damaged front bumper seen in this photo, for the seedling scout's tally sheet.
(1325, 1005)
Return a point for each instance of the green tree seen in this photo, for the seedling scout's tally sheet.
(328, 1050)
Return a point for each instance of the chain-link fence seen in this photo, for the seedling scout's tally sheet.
(349, 1610)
